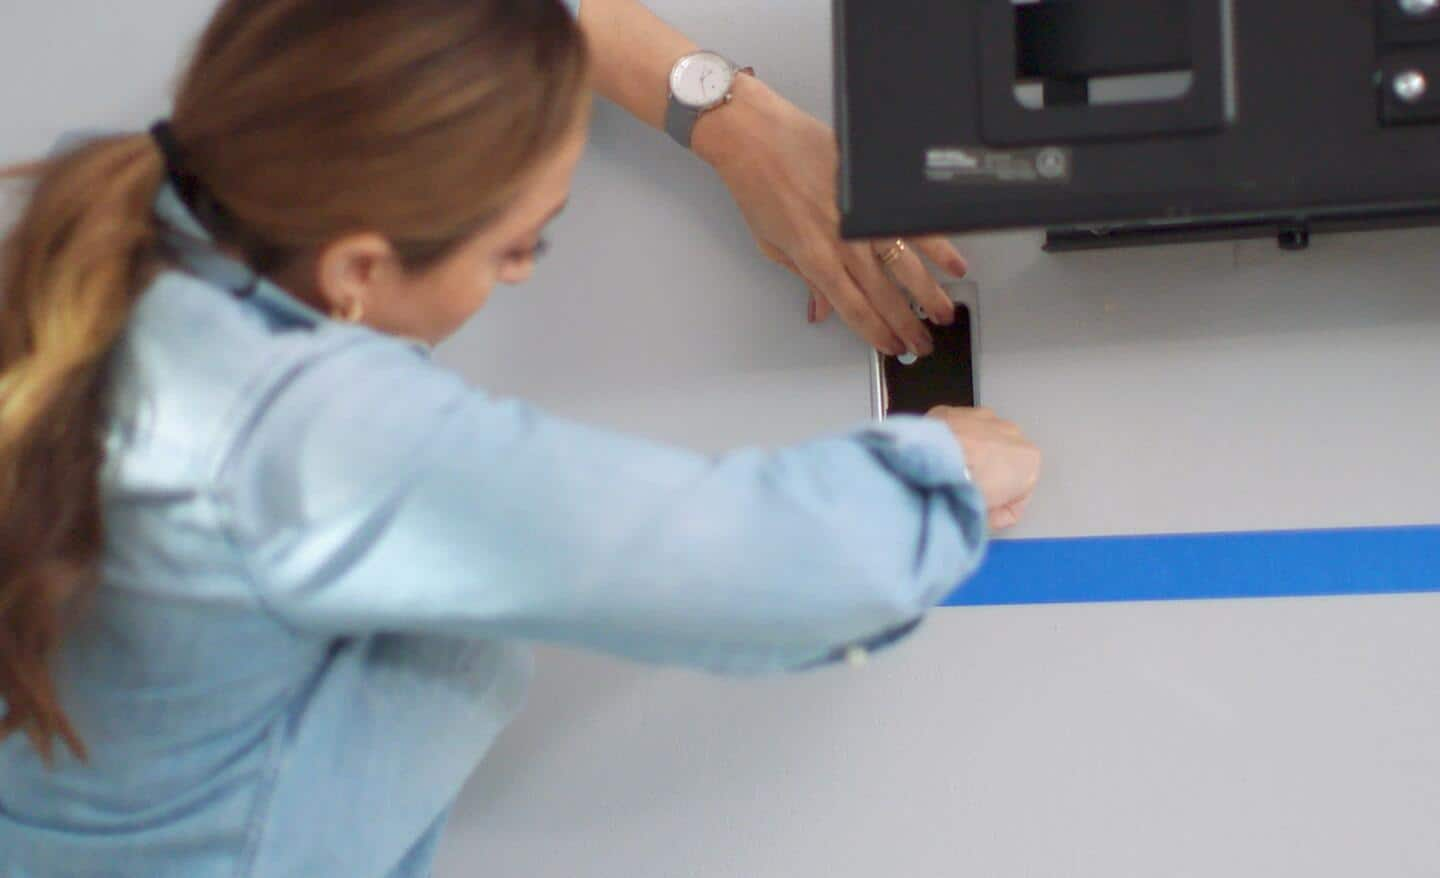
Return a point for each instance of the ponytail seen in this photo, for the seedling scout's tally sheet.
(70, 271)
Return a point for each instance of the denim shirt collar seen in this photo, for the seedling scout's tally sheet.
(196, 251)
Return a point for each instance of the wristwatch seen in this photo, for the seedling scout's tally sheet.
(699, 82)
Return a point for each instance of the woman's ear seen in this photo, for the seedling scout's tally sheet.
(356, 273)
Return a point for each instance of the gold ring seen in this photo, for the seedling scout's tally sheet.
(893, 252)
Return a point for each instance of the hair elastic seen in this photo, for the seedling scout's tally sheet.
(176, 166)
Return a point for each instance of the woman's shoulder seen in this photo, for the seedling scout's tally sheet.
(198, 364)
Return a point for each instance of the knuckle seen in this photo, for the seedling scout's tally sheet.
(820, 255)
(855, 313)
(896, 308)
(771, 253)
(934, 295)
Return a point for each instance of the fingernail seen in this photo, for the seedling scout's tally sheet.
(812, 309)
(958, 268)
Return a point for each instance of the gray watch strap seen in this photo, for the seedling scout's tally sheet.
(680, 121)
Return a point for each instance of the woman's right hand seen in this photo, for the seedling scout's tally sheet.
(1004, 465)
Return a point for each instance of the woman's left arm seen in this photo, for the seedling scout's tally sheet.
(781, 165)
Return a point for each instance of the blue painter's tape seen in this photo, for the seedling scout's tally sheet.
(1386, 560)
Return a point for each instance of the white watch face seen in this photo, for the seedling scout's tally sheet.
(701, 80)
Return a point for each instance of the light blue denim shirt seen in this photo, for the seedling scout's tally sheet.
(324, 551)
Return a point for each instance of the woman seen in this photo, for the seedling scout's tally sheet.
(263, 565)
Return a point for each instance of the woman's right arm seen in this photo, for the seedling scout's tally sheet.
(376, 492)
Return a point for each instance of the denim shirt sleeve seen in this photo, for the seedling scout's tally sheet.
(375, 491)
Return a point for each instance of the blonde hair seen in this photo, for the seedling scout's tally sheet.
(303, 120)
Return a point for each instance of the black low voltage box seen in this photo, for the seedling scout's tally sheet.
(1137, 121)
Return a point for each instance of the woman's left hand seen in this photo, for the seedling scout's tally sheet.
(781, 166)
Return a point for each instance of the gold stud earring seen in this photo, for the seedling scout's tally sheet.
(353, 311)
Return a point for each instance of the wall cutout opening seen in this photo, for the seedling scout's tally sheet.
(1101, 52)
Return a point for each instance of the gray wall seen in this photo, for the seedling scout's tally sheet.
(1179, 389)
